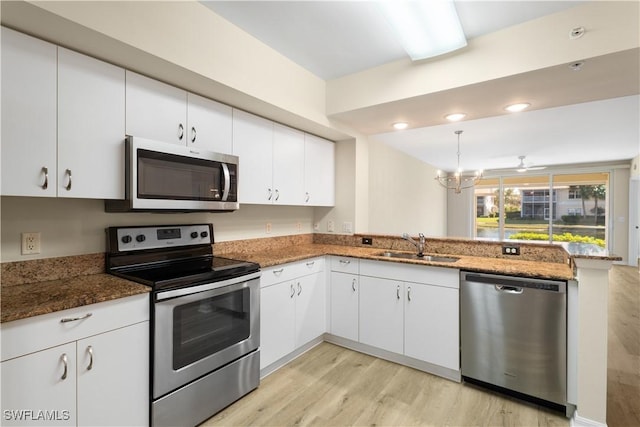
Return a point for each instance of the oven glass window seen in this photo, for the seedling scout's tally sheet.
(205, 327)
(167, 176)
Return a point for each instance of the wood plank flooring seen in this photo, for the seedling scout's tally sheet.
(333, 386)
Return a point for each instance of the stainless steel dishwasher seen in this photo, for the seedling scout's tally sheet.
(514, 335)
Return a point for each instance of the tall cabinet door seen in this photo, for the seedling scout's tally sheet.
(91, 100)
(382, 313)
(41, 381)
(253, 144)
(209, 124)
(28, 115)
(288, 165)
(155, 110)
(319, 171)
(113, 377)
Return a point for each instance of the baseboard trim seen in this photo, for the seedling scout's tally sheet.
(578, 421)
(289, 357)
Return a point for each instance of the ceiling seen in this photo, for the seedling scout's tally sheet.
(576, 117)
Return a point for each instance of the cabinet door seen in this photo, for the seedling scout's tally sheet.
(35, 390)
(253, 144)
(113, 377)
(344, 305)
(209, 124)
(155, 110)
(381, 313)
(288, 166)
(310, 308)
(431, 324)
(319, 171)
(28, 115)
(277, 322)
(91, 131)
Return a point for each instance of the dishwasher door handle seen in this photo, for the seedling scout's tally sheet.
(508, 289)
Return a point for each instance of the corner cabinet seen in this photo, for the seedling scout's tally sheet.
(62, 122)
(292, 308)
(280, 165)
(87, 366)
(161, 112)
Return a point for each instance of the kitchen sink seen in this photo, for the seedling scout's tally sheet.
(409, 255)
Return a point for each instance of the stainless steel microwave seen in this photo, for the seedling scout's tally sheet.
(174, 178)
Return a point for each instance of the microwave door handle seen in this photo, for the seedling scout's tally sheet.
(227, 182)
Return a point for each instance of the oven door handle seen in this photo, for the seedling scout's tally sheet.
(165, 295)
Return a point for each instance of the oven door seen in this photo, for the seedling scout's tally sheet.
(200, 329)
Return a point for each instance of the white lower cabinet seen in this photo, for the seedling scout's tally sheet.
(99, 376)
(344, 305)
(292, 311)
(382, 313)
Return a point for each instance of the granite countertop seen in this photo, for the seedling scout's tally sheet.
(33, 299)
(534, 269)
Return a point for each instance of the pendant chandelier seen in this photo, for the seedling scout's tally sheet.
(458, 180)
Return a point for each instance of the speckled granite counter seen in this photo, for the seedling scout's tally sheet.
(32, 299)
(547, 270)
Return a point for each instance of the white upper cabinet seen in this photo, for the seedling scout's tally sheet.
(28, 115)
(155, 110)
(91, 100)
(253, 144)
(209, 124)
(288, 166)
(319, 171)
(162, 112)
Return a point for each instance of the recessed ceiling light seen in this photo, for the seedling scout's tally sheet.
(514, 108)
(400, 125)
(454, 117)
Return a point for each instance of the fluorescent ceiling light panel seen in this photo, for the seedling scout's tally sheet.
(426, 28)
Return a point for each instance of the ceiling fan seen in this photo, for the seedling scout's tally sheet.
(522, 167)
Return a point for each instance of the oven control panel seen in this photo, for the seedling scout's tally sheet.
(156, 237)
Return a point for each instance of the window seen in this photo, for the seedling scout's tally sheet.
(548, 208)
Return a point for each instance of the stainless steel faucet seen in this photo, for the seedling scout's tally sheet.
(419, 244)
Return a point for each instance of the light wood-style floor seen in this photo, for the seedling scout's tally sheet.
(333, 386)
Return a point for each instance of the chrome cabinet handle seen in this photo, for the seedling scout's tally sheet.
(90, 351)
(409, 293)
(398, 292)
(277, 194)
(193, 134)
(299, 289)
(45, 184)
(180, 132)
(74, 319)
(270, 194)
(66, 366)
(307, 197)
(293, 291)
(342, 261)
(310, 264)
(277, 272)
(353, 285)
(68, 186)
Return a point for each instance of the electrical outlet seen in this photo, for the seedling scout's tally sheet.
(30, 243)
(316, 226)
(331, 227)
(510, 250)
(267, 228)
(298, 226)
(367, 241)
(347, 227)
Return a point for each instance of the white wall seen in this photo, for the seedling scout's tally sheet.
(76, 226)
(403, 196)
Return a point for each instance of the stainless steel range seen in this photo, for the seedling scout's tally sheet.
(205, 329)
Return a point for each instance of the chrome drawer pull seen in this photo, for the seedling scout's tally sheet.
(310, 264)
(345, 261)
(74, 319)
(277, 272)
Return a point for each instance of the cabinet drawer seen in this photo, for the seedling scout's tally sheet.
(439, 276)
(290, 271)
(345, 264)
(36, 333)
